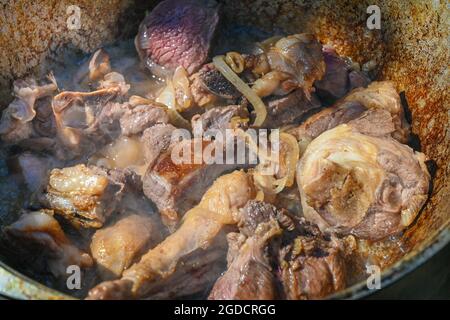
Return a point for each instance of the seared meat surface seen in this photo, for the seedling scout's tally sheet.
(177, 187)
(289, 109)
(327, 119)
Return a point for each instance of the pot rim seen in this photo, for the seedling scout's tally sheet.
(408, 263)
(19, 286)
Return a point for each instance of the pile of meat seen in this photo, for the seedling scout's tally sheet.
(106, 195)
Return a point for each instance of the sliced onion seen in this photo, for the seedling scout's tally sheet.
(167, 97)
(291, 158)
(242, 87)
(268, 184)
(268, 43)
(235, 61)
(180, 82)
(263, 157)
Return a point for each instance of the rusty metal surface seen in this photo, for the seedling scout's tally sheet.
(16, 286)
(411, 49)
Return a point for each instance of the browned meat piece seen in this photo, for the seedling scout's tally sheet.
(193, 247)
(135, 120)
(38, 232)
(178, 187)
(206, 89)
(15, 123)
(374, 122)
(85, 196)
(115, 247)
(288, 109)
(327, 119)
(203, 95)
(311, 265)
(383, 95)
(365, 185)
(177, 32)
(218, 119)
(156, 140)
(212, 80)
(386, 114)
(300, 57)
(339, 79)
(75, 192)
(249, 275)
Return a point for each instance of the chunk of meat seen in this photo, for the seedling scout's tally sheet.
(206, 89)
(196, 237)
(368, 186)
(289, 109)
(202, 94)
(177, 33)
(85, 196)
(300, 57)
(327, 119)
(250, 275)
(135, 120)
(40, 232)
(218, 119)
(15, 123)
(383, 95)
(378, 108)
(311, 264)
(176, 185)
(218, 85)
(115, 247)
(156, 140)
(339, 79)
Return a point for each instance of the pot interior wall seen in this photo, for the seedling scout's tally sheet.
(411, 49)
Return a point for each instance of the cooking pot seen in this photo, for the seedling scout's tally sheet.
(410, 48)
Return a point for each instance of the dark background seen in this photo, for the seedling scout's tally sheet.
(429, 281)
